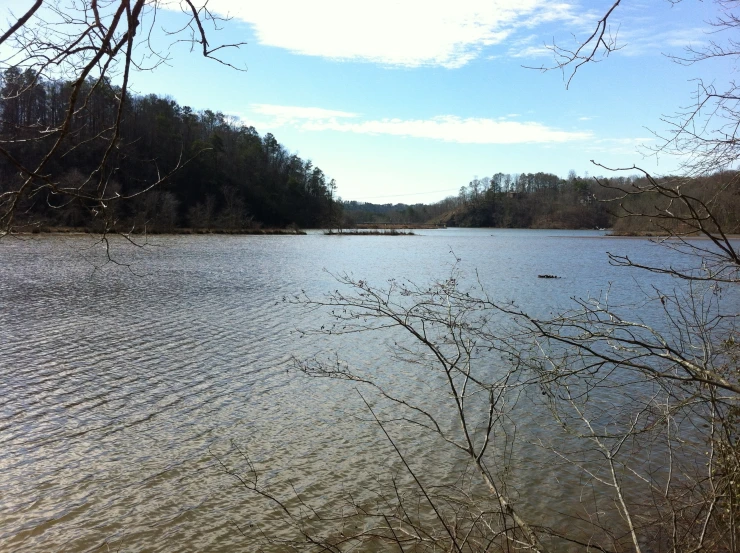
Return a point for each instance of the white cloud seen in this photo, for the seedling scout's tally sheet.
(625, 146)
(633, 29)
(289, 113)
(408, 33)
(447, 128)
(530, 52)
(625, 141)
(653, 41)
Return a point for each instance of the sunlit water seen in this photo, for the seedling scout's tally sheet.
(125, 385)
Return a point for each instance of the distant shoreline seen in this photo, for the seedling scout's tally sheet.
(44, 230)
(693, 236)
(175, 231)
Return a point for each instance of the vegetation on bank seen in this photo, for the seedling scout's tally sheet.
(368, 232)
(176, 168)
(252, 231)
(544, 200)
(646, 417)
(185, 171)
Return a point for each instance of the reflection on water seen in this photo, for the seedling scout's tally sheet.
(123, 384)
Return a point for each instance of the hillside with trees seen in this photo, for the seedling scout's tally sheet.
(543, 200)
(527, 200)
(175, 166)
(180, 168)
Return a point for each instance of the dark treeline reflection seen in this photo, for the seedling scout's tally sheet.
(223, 173)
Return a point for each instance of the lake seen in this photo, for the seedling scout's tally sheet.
(128, 385)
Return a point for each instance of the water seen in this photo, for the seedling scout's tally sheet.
(127, 385)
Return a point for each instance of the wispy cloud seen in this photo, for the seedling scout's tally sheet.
(447, 128)
(635, 30)
(655, 41)
(637, 141)
(409, 33)
(292, 113)
(624, 146)
(530, 52)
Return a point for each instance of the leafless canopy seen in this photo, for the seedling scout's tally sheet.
(646, 413)
(599, 44)
(703, 133)
(90, 45)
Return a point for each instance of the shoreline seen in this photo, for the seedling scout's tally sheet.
(51, 231)
(172, 232)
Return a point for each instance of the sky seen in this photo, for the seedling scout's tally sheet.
(408, 100)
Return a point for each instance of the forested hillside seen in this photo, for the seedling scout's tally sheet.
(527, 200)
(716, 201)
(209, 170)
(180, 168)
(543, 200)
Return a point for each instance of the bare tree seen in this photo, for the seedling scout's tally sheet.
(89, 45)
(703, 134)
(681, 216)
(645, 413)
(596, 46)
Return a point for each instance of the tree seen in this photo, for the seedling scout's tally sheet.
(90, 44)
(646, 414)
(704, 134)
(644, 409)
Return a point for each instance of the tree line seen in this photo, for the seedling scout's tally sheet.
(175, 166)
(181, 168)
(544, 200)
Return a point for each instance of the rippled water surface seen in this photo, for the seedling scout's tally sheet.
(124, 385)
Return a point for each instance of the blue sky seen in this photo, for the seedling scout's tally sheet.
(406, 100)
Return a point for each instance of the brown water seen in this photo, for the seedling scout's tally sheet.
(124, 386)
